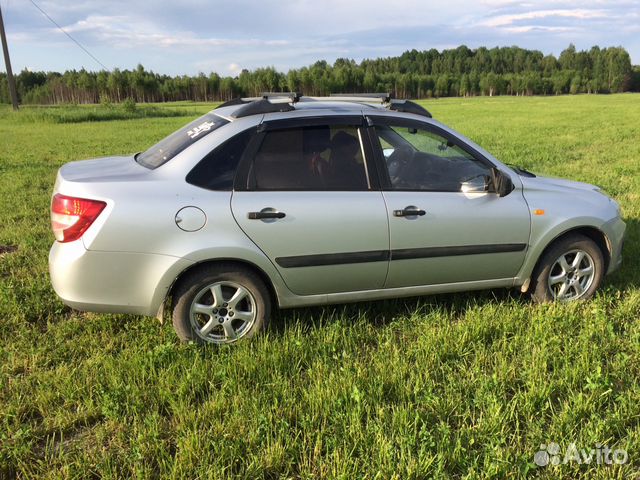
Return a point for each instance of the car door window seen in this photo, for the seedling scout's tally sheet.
(310, 158)
(217, 170)
(421, 159)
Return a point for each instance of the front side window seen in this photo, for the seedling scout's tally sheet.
(310, 158)
(420, 159)
(170, 146)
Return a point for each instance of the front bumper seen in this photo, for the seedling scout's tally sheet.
(615, 231)
(114, 282)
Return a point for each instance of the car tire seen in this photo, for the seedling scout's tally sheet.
(220, 304)
(570, 269)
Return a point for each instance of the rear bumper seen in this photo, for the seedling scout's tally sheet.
(615, 230)
(114, 282)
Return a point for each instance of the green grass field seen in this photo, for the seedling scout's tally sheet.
(451, 386)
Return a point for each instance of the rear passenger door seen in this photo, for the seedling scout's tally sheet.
(306, 196)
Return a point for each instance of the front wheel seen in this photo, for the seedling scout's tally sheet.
(220, 304)
(571, 269)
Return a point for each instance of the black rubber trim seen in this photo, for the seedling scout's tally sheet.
(432, 252)
(333, 259)
(399, 254)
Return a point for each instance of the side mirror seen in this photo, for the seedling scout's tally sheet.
(477, 184)
(502, 183)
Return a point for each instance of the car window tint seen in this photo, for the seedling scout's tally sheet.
(170, 146)
(310, 158)
(418, 159)
(217, 170)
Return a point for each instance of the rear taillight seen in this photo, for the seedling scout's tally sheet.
(70, 216)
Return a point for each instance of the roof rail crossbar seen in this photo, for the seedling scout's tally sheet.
(353, 98)
(233, 101)
(341, 99)
(383, 97)
(408, 106)
(292, 96)
(289, 96)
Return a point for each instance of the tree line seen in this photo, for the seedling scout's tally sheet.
(414, 74)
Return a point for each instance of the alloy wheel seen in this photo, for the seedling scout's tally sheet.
(571, 275)
(222, 312)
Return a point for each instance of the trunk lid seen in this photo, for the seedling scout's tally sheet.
(107, 169)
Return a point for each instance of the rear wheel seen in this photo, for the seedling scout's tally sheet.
(571, 269)
(220, 304)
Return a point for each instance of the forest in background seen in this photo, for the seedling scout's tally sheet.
(414, 74)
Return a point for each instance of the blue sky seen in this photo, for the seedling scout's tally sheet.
(189, 36)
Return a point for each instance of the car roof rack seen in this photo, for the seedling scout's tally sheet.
(267, 102)
(362, 97)
(385, 99)
(262, 106)
(292, 97)
(408, 106)
(270, 102)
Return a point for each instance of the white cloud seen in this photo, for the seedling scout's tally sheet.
(539, 28)
(234, 69)
(127, 32)
(579, 14)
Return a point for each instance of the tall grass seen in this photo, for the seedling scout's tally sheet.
(92, 113)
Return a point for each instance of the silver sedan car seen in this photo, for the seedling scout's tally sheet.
(290, 201)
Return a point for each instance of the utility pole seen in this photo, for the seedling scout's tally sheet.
(7, 62)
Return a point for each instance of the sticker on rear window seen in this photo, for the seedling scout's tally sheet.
(203, 127)
(170, 146)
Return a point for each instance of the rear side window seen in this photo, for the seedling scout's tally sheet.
(310, 158)
(170, 146)
(217, 170)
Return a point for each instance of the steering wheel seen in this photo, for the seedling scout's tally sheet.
(398, 161)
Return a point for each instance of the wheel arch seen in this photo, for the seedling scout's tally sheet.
(273, 294)
(589, 231)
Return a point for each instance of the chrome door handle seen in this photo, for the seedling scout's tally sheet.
(409, 211)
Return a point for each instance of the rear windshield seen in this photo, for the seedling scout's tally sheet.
(170, 146)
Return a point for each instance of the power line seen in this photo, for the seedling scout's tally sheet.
(64, 31)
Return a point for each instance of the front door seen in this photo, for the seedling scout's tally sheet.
(442, 230)
(309, 204)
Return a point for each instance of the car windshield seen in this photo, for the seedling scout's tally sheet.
(170, 146)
